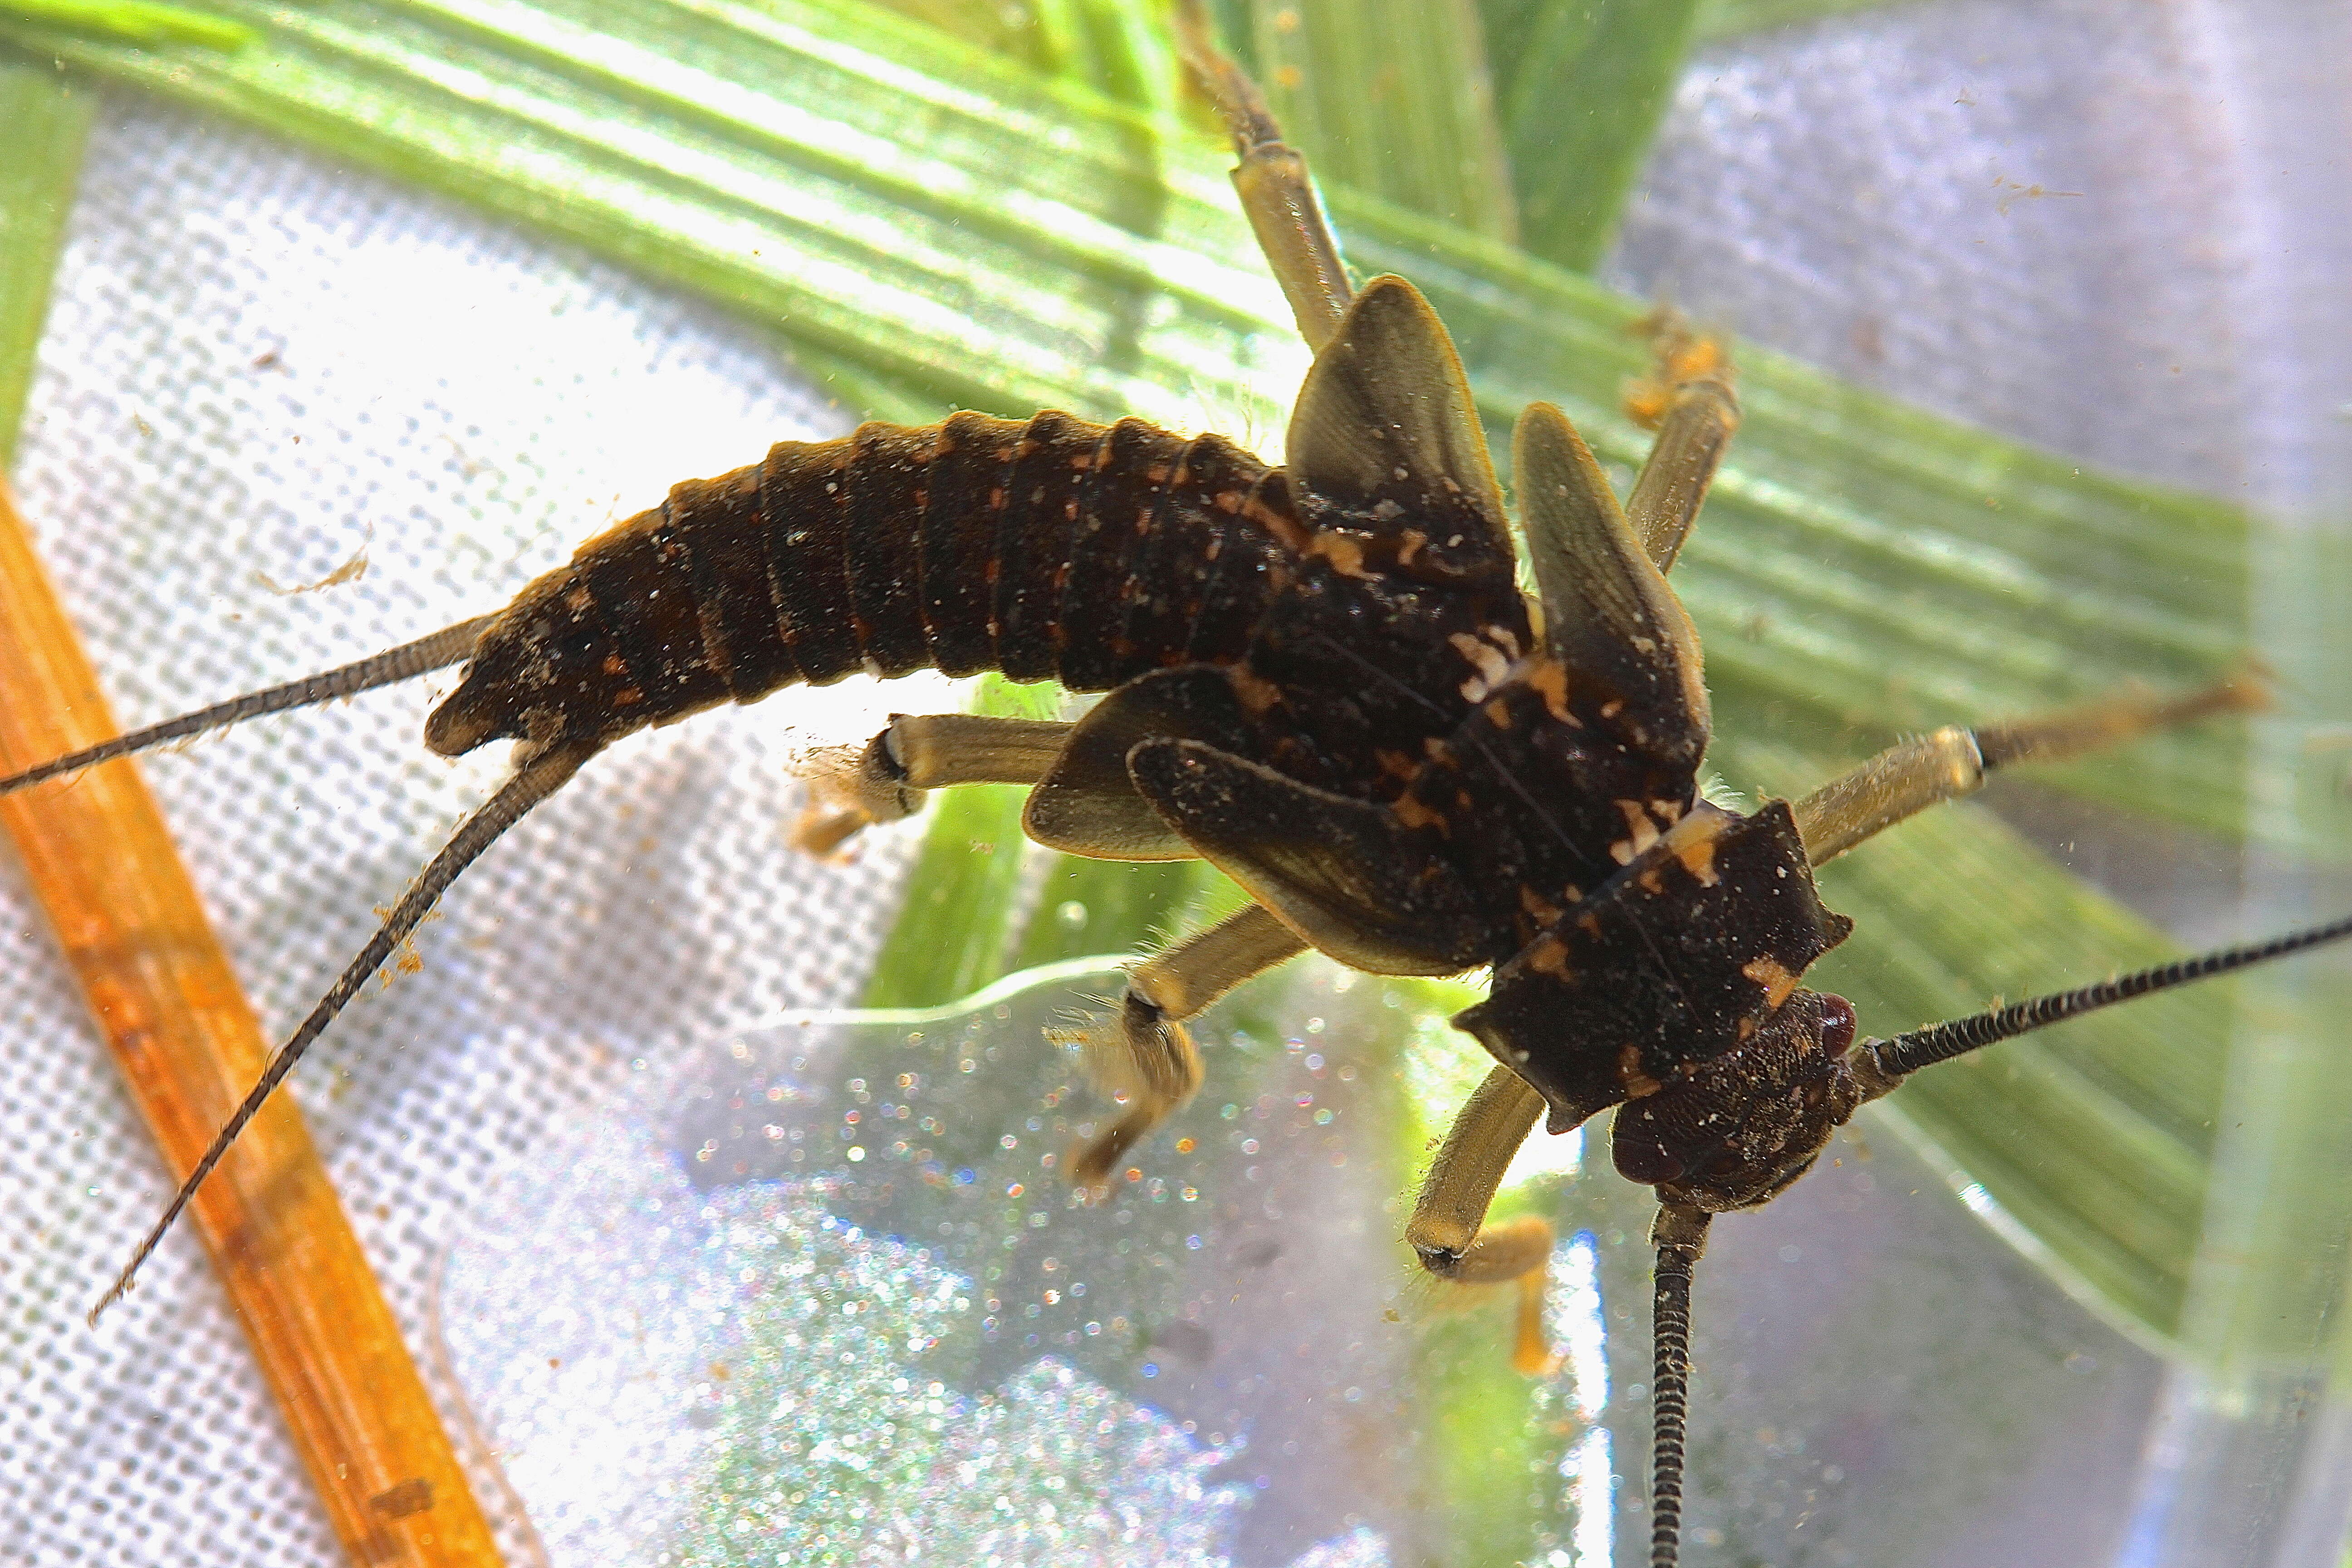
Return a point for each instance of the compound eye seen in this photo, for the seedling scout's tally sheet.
(1837, 1024)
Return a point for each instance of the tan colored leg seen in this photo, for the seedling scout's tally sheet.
(1144, 1054)
(1914, 774)
(1448, 1231)
(1688, 401)
(887, 778)
(1271, 178)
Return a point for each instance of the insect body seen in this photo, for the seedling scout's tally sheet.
(1326, 680)
(976, 544)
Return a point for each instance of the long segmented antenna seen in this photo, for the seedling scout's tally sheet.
(1680, 1233)
(444, 647)
(1907, 1053)
(532, 783)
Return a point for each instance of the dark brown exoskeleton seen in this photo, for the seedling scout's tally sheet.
(1324, 680)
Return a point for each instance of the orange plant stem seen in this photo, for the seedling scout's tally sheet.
(186, 1039)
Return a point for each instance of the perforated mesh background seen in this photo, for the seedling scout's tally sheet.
(258, 363)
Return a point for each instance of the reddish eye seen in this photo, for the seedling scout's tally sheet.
(1837, 1024)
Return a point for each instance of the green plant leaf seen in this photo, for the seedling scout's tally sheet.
(134, 21)
(1392, 98)
(1579, 92)
(44, 124)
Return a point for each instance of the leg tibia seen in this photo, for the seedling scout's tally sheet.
(1181, 980)
(1687, 399)
(1448, 1231)
(1899, 782)
(1682, 463)
(935, 751)
(1445, 1229)
(1271, 182)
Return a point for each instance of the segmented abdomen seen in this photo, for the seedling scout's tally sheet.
(1049, 547)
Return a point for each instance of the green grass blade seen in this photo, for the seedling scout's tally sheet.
(43, 123)
(133, 21)
(1580, 89)
(1395, 98)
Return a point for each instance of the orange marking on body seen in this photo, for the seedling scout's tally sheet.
(1284, 527)
(1345, 554)
(1548, 679)
(1698, 858)
(1774, 977)
(1642, 831)
(1481, 656)
(1692, 841)
(1413, 812)
(1637, 1082)
(1549, 956)
(1255, 693)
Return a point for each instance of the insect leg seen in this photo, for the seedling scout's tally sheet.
(1145, 1053)
(1914, 774)
(1700, 414)
(1448, 1231)
(1271, 178)
(916, 753)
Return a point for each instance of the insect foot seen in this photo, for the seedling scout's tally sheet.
(851, 789)
(1144, 1058)
(1143, 1053)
